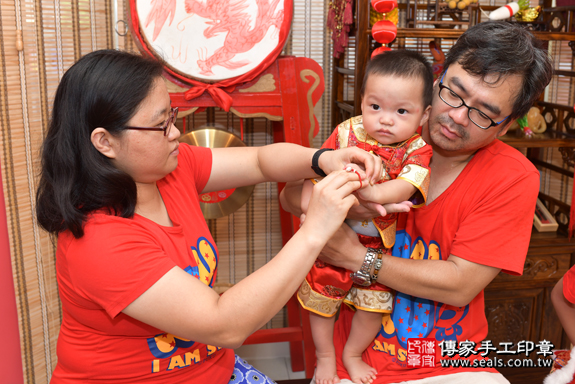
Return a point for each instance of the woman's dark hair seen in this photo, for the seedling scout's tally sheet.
(103, 89)
(404, 64)
(502, 48)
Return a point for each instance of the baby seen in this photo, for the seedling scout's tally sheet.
(396, 100)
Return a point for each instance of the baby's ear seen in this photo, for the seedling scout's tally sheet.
(425, 116)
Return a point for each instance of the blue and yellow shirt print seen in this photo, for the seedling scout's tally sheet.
(206, 258)
(414, 317)
(165, 345)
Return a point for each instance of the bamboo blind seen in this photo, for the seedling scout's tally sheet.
(55, 34)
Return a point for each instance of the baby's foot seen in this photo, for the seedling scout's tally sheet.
(326, 370)
(358, 370)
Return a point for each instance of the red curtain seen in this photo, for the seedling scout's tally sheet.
(10, 355)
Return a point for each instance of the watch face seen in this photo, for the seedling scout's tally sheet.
(360, 279)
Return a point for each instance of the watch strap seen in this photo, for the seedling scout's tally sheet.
(378, 262)
(365, 271)
(315, 161)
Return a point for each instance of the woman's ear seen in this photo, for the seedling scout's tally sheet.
(104, 142)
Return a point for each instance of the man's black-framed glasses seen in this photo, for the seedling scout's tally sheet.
(165, 127)
(475, 115)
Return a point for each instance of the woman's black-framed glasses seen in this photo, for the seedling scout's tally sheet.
(165, 127)
(475, 115)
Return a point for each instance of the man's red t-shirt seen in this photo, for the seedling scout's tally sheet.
(116, 261)
(484, 217)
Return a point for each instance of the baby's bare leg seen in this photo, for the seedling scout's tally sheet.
(364, 327)
(322, 334)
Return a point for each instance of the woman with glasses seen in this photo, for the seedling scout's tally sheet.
(135, 258)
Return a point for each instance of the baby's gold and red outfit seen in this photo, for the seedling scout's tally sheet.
(326, 286)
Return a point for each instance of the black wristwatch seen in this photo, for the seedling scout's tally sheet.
(363, 276)
(315, 161)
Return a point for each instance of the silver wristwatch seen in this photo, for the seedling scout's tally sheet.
(363, 276)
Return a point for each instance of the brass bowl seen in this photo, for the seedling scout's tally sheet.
(217, 138)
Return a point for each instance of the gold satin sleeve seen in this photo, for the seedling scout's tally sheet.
(417, 176)
(370, 301)
(317, 303)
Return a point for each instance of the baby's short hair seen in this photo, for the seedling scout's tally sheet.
(402, 63)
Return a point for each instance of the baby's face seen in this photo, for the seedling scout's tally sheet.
(392, 108)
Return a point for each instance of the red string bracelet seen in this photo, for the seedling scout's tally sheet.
(350, 169)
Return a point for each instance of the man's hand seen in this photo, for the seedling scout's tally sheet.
(344, 250)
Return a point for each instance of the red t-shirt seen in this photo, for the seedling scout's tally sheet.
(116, 261)
(485, 217)
(569, 285)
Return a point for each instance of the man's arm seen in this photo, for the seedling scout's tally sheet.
(454, 281)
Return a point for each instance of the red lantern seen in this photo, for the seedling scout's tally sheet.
(384, 31)
(384, 6)
(379, 50)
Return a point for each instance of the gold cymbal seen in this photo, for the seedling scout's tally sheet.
(220, 203)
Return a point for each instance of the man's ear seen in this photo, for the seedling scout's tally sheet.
(503, 130)
(104, 142)
(425, 116)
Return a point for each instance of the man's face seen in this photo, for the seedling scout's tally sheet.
(450, 130)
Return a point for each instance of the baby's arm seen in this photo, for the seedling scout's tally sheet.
(565, 310)
(392, 191)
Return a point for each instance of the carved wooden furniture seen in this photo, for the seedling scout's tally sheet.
(559, 25)
(519, 307)
(435, 10)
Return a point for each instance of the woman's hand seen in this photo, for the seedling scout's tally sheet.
(330, 201)
(336, 160)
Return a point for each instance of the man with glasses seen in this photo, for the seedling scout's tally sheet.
(477, 221)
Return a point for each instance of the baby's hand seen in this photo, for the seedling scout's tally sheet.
(358, 169)
(382, 210)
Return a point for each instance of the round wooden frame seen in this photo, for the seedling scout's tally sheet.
(168, 17)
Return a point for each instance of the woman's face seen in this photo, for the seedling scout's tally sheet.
(148, 156)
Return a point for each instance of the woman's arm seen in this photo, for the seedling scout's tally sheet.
(180, 304)
(240, 166)
(565, 310)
